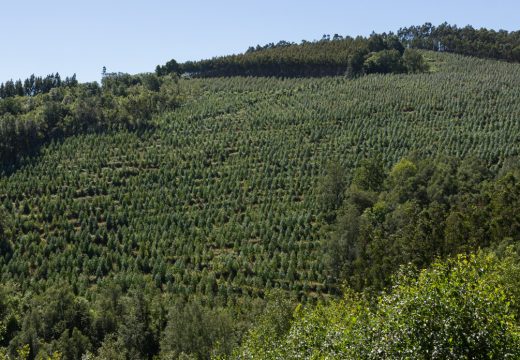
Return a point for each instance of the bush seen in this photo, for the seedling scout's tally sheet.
(457, 309)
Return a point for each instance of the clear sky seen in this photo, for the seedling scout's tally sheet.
(73, 36)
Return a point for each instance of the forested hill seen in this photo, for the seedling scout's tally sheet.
(157, 216)
(483, 43)
(338, 55)
(48, 109)
(327, 57)
(166, 238)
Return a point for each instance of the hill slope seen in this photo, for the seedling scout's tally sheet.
(228, 183)
(220, 198)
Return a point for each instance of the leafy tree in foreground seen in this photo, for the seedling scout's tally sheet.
(457, 309)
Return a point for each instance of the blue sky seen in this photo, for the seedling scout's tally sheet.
(72, 36)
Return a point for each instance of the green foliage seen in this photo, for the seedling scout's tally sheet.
(5, 235)
(326, 57)
(454, 310)
(10, 307)
(343, 249)
(458, 309)
(171, 67)
(469, 41)
(423, 210)
(137, 208)
(369, 175)
(414, 61)
(35, 85)
(58, 316)
(333, 188)
(263, 341)
(197, 331)
(384, 61)
(124, 102)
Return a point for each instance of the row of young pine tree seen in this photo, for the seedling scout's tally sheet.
(416, 213)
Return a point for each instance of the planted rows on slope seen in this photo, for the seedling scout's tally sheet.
(221, 198)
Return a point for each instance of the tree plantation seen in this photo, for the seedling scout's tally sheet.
(260, 211)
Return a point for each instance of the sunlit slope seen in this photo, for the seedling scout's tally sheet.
(222, 198)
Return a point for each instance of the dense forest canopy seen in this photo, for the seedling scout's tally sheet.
(52, 112)
(339, 55)
(35, 85)
(416, 212)
(326, 57)
(281, 214)
(483, 43)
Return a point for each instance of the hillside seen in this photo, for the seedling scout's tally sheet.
(339, 56)
(345, 55)
(216, 199)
